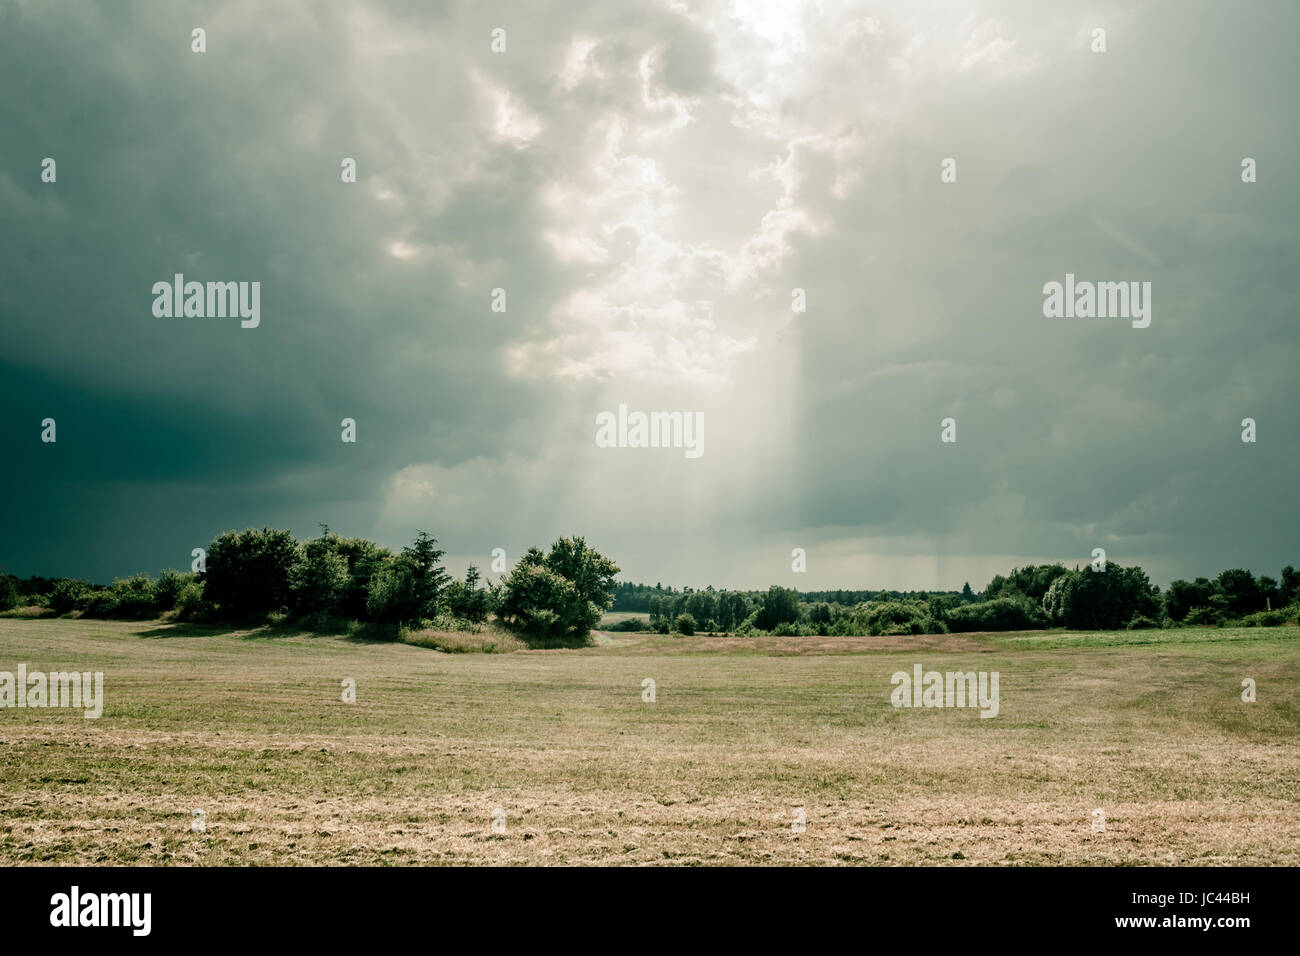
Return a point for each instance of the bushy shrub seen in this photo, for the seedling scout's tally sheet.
(66, 595)
(132, 599)
(1204, 617)
(99, 603)
(167, 589)
(1140, 622)
(1269, 618)
(684, 624)
(1000, 614)
(885, 618)
(190, 605)
(632, 624)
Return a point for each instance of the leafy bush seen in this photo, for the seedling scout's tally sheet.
(167, 589)
(132, 598)
(1269, 618)
(1000, 614)
(633, 624)
(66, 595)
(1204, 617)
(99, 603)
(881, 618)
(1140, 622)
(190, 605)
(684, 625)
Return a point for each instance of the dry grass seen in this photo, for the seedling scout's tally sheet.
(249, 727)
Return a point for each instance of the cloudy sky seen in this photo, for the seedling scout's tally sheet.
(649, 182)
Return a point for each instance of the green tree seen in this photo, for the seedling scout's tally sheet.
(248, 571)
(1182, 596)
(465, 600)
(1101, 600)
(364, 559)
(8, 591)
(1242, 591)
(319, 579)
(429, 576)
(780, 606)
(394, 599)
(560, 594)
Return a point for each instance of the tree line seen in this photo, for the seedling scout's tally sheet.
(1112, 597)
(559, 595)
(326, 582)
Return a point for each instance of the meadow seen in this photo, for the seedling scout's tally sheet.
(746, 737)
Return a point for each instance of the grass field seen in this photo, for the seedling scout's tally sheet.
(250, 727)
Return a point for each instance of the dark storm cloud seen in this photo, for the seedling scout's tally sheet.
(649, 183)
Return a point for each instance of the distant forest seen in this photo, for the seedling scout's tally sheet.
(1106, 596)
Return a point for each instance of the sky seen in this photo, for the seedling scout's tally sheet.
(649, 184)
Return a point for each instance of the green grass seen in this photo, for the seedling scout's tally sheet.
(249, 726)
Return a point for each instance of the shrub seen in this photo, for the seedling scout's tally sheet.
(684, 625)
(167, 589)
(1204, 617)
(190, 605)
(66, 595)
(1000, 614)
(1269, 618)
(1140, 622)
(880, 618)
(100, 603)
(132, 598)
(634, 624)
